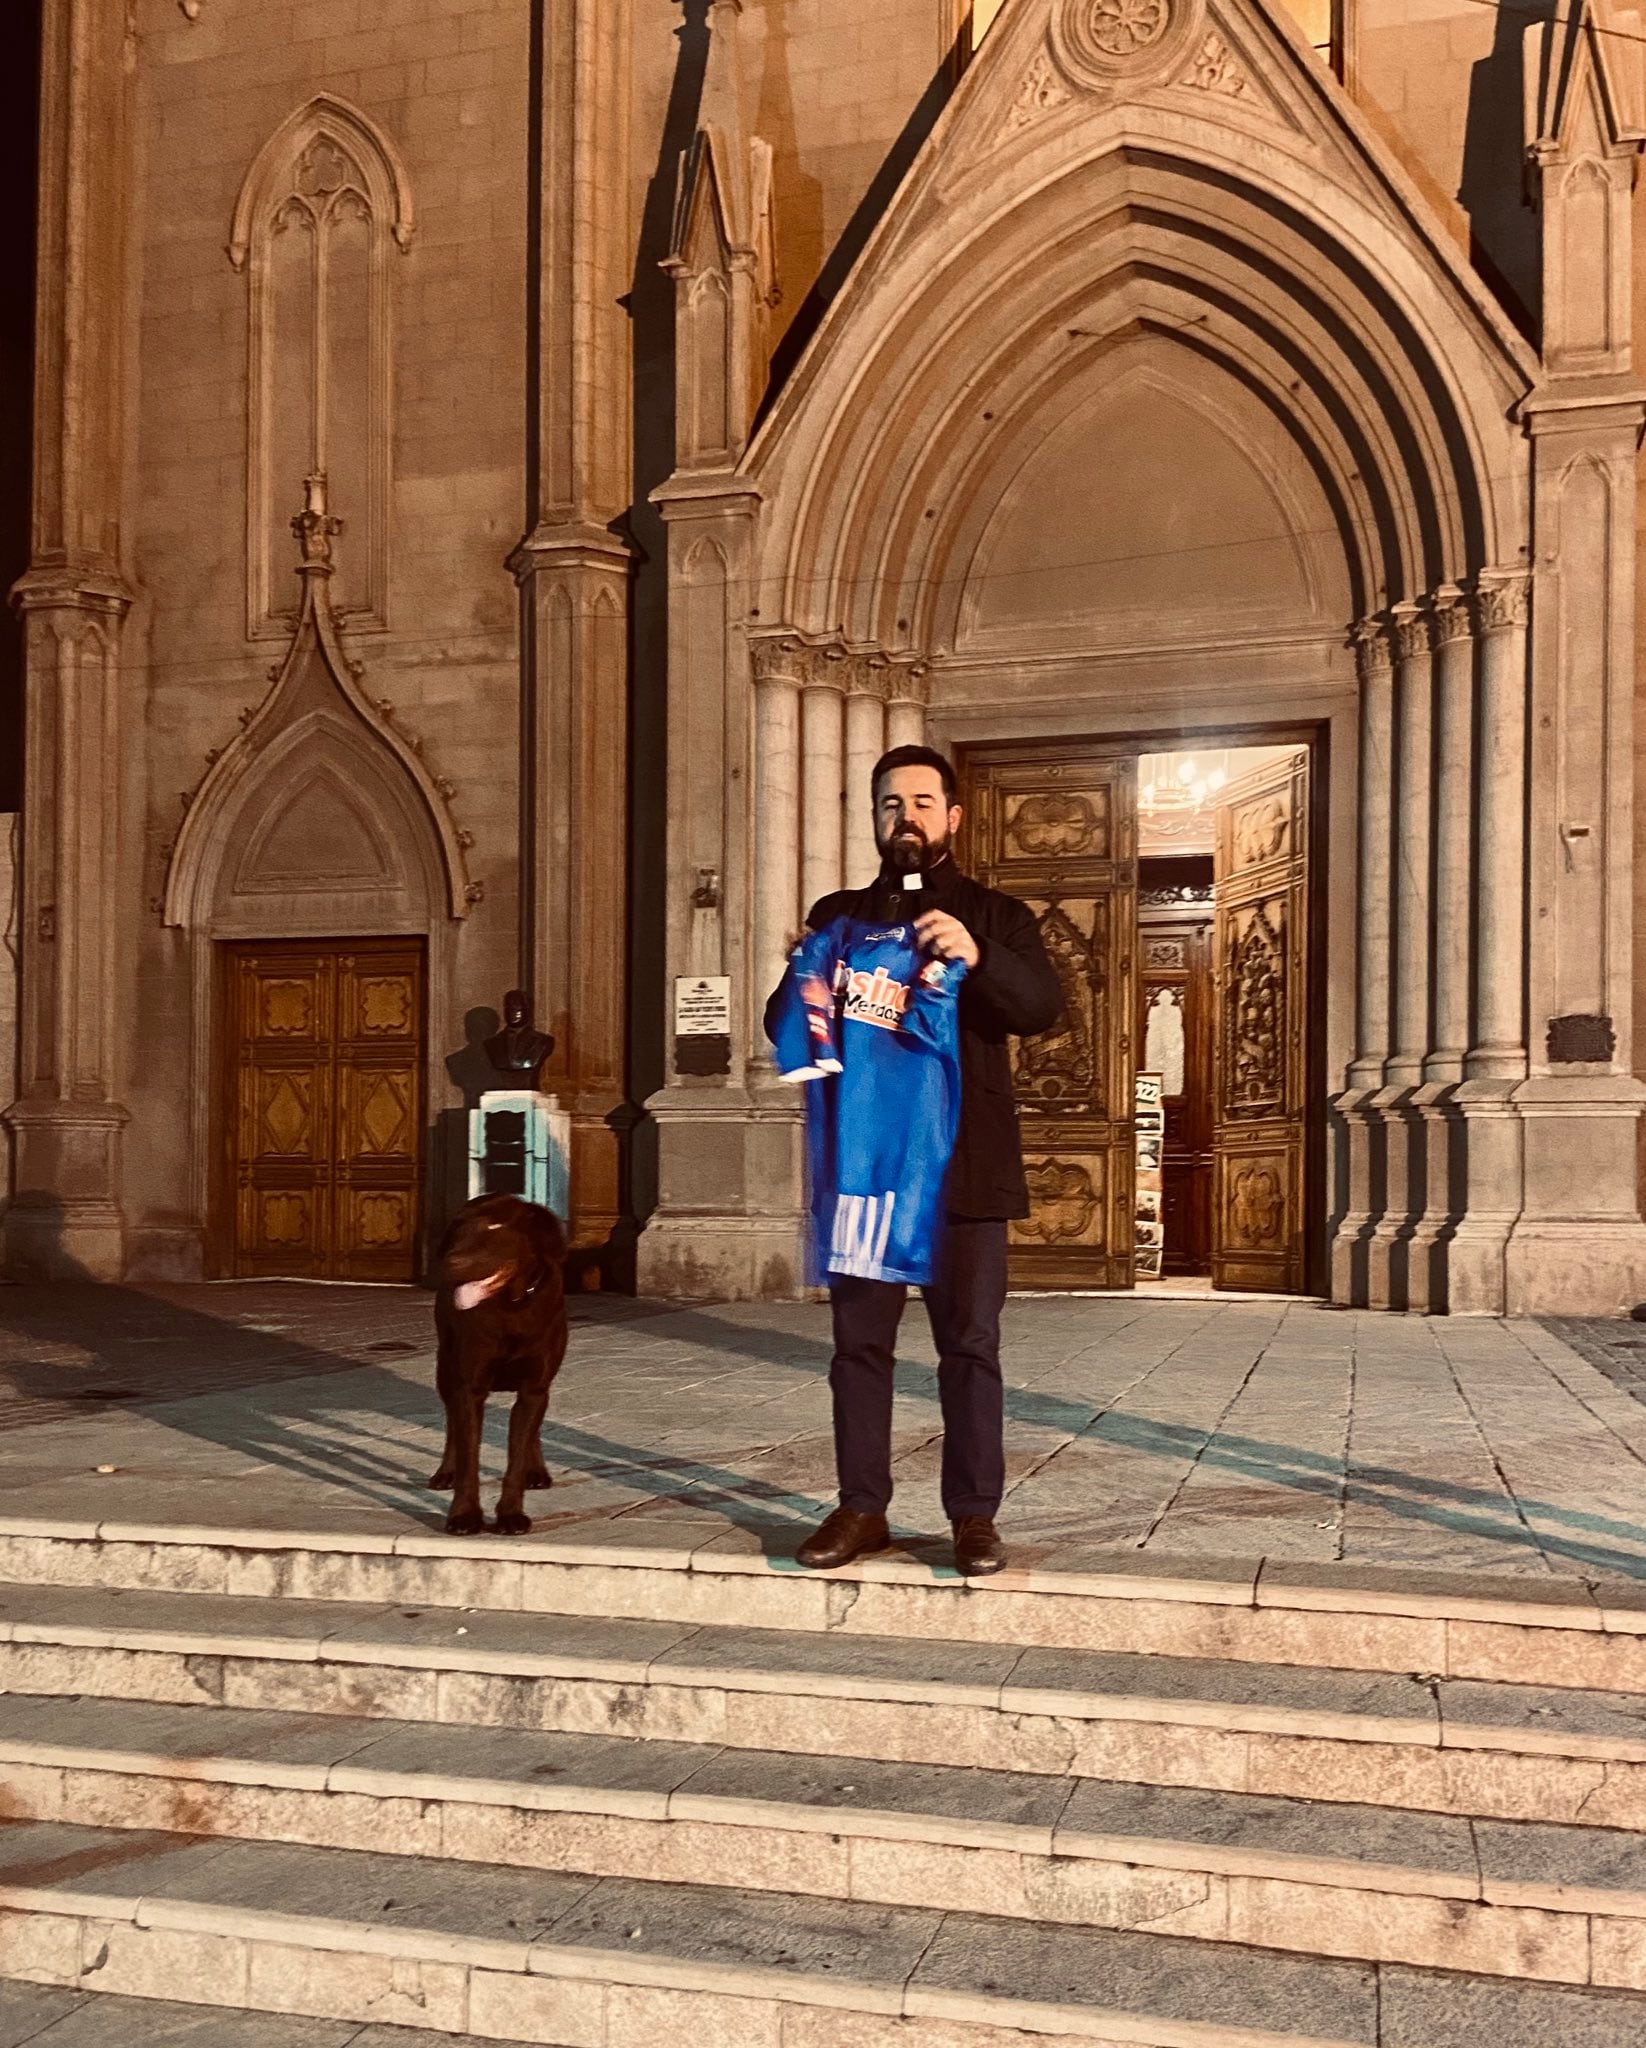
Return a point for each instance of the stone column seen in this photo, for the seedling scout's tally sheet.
(823, 754)
(865, 743)
(1499, 1049)
(574, 576)
(1362, 1126)
(908, 692)
(1454, 811)
(1452, 921)
(1496, 1061)
(1405, 1193)
(66, 1219)
(779, 670)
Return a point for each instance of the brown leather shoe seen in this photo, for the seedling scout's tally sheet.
(978, 1549)
(845, 1535)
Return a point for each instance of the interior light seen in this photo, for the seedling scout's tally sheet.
(1186, 772)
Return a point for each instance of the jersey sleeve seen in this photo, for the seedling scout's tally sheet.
(930, 1018)
(805, 1034)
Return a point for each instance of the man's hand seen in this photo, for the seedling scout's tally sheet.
(947, 937)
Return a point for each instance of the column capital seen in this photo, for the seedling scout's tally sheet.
(867, 673)
(1374, 650)
(1453, 615)
(1411, 627)
(910, 683)
(1503, 599)
(778, 658)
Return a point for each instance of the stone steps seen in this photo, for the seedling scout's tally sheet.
(623, 1963)
(43, 2016)
(652, 1784)
(1568, 1632)
(1312, 1878)
(1445, 1746)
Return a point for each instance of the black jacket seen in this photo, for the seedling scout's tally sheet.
(1012, 992)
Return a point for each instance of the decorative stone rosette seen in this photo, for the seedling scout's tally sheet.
(1103, 43)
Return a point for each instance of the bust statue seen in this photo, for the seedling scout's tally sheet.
(519, 1048)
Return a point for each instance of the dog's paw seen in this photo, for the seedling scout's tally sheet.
(513, 1525)
(537, 1479)
(443, 1481)
(465, 1522)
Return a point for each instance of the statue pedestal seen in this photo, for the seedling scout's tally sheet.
(520, 1143)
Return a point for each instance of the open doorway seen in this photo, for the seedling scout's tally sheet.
(1166, 1118)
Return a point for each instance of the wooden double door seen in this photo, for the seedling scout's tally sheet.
(321, 1106)
(1055, 823)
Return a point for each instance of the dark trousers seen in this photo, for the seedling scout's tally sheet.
(963, 1306)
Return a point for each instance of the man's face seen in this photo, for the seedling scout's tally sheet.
(913, 819)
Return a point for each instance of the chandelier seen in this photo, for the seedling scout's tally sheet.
(1175, 788)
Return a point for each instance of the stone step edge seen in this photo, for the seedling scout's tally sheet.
(1164, 1853)
(1589, 1606)
(514, 1966)
(1431, 1731)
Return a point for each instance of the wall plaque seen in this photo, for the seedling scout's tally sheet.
(1572, 1039)
(703, 1024)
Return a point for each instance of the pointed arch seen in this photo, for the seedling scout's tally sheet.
(1260, 239)
(326, 202)
(318, 713)
(318, 832)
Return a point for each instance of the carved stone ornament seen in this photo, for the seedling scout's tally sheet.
(1413, 631)
(1373, 653)
(1504, 602)
(1453, 618)
(1099, 42)
(805, 664)
(1214, 70)
(1041, 92)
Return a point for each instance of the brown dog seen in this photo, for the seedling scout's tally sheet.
(501, 1316)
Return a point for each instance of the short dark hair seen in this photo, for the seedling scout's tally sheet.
(918, 757)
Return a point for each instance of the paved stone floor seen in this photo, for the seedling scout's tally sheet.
(1265, 1429)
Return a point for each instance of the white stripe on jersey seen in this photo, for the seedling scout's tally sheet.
(862, 1230)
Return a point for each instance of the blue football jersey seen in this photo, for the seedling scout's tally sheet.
(874, 1029)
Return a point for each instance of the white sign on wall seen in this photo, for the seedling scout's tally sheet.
(703, 1006)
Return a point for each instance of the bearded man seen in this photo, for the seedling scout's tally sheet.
(1010, 990)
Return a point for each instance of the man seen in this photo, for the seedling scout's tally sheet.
(1010, 990)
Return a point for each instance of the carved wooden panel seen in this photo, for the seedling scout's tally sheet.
(1260, 1078)
(1053, 823)
(323, 1060)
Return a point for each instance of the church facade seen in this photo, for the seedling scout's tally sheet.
(503, 475)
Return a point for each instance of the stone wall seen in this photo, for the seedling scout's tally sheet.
(446, 84)
(1441, 80)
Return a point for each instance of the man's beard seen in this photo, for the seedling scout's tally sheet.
(909, 852)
